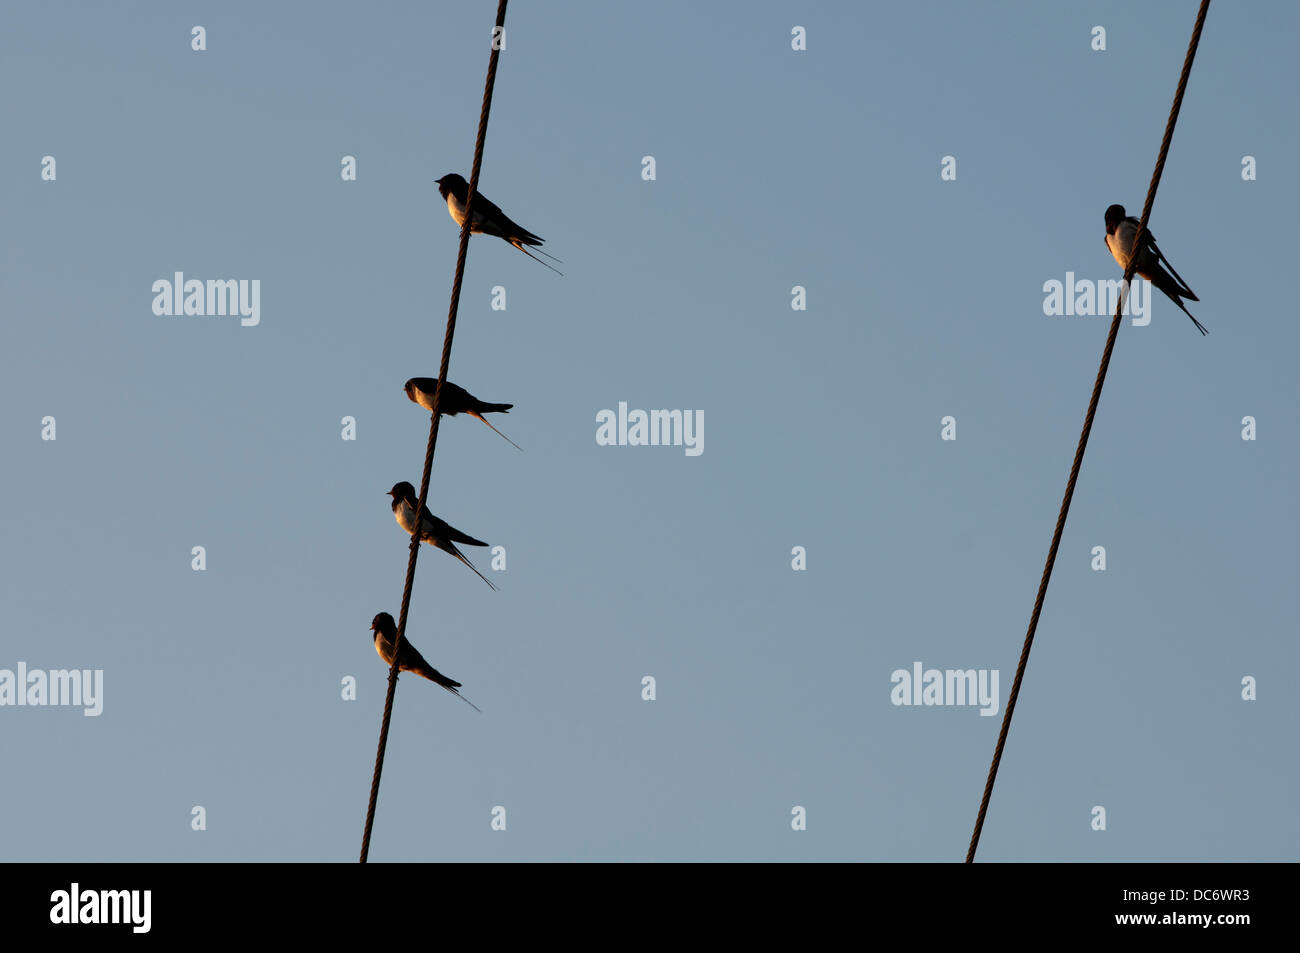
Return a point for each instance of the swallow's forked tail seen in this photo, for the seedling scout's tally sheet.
(1178, 301)
(1184, 289)
(542, 251)
(1175, 289)
(474, 413)
(435, 676)
(1200, 327)
(459, 555)
(524, 248)
(464, 699)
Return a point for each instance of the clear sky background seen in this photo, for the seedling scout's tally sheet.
(775, 168)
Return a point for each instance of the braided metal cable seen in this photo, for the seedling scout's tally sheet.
(1087, 429)
(433, 425)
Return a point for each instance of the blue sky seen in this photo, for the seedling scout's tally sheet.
(774, 168)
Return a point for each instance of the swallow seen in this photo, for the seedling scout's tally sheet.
(455, 400)
(488, 218)
(432, 529)
(1120, 231)
(385, 630)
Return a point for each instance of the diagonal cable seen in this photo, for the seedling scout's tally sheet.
(433, 425)
(1087, 428)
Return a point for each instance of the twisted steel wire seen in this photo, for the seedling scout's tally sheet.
(433, 425)
(1087, 429)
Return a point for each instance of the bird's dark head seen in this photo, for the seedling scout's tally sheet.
(452, 182)
(384, 625)
(409, 387)
(1114, 215)
(402, 491)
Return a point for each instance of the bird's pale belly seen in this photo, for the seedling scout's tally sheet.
(458, 213)
(456, 210)
(403, 515)
(1117, 252)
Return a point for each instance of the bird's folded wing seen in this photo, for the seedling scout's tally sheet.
(1177, 277)
(487, 207)
(456, 536)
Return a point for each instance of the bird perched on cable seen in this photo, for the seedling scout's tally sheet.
(385, 630)
(455, 400)
(432, 529)
(488, 218)
(1120, 232)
